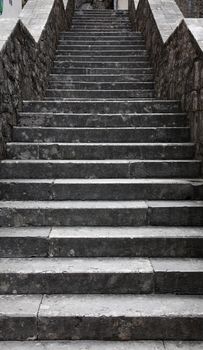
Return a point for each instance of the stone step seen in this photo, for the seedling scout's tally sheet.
(108, 52)
(113, 78)
(168, 242)
(57, 94)
(98, 48)
(101, 345)
(102, 120)
(102, 26)
(49, 150)
(103, 106)
(101, 317)
(95, 35)
(125, 135)
(106, 41)
(36, 169)
(99, 19)
(101, 189)
(101, 213)
(99, 64)
(101, 85)
(107, 59)
(100, 275)
(101, 71)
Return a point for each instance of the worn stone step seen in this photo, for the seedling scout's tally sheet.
(102, 19)
(100, 275)
(185, 242)
(73, 275)
(97, 41)
(97, 64)
(101, 345)
(35, 169)
(103, 106)
(103, 120)
(113, 78)
(57, 94)
(84, 134)
(101, 189)
(108, 52)
(101, 85)
(100, 71)
(101, 34)
(101, 213)
(98, 48)
(107, 59)
(27, 150)
(123, 27)
(101, 317)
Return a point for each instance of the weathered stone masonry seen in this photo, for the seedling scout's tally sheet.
(175, 45)
(27, 51)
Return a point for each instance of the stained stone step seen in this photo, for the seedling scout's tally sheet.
(103, 120)
(101, 85)
(100, 26)
(101, 213)
(35, 169)
(101, 345)
(97, 64)
(108, 59)
(105, 41)
(125, 135)
(113, 78)
(100, 275)
(108, 52)
(101, 317)
(100, 71)
(26, 150)
(73, 275)
(101, 34)
(85, 47)
(101, 189)
(103, 106)
(97, 242)
(57, 94)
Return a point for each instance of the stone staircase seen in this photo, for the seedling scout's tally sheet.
(101, 217)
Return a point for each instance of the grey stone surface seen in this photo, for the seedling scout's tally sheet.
(56, 276)
(173, 45)
(27, 49)
(83, 345)
(18, 317)
(99, 317)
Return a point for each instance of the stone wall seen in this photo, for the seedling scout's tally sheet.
(175, 45)
(27, 48)
(191, 8)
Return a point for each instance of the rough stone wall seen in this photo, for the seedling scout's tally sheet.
(176, 49)
(26, 56)
(191, 8)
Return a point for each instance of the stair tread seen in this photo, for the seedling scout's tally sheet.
(119, 265)
(101, 345)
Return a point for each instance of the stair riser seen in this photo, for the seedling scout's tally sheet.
(103, 65)
(93, 283)
(104, 27)
(56, 95)
(102, 107)
(82, 120)
(103, 151)
(101, 135)
(94, 52)
(103, 170)
(62, 191)
(23, 246)
(116, 78)
(101, 35)
(156, 216)
(101, 86)
(65, 283)
(106, 328)
(95, 71)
